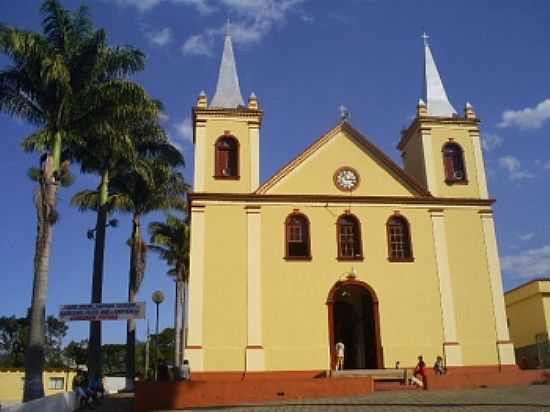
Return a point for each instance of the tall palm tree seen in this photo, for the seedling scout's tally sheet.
(42, 86)
(164, 189)
(171, 240)
(151, 184)
(102, 109)
(121, 144)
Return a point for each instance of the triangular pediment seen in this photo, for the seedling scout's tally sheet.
(313, 171)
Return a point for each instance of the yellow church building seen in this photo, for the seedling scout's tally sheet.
(342, 244)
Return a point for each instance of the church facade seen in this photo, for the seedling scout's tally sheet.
(342, 244)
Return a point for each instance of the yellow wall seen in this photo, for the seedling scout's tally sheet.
(12, 381)
(240, 129)
(437, 135)
(224, 282)
(471, 287)
(294, 311)
(315, 176)
(528, 311)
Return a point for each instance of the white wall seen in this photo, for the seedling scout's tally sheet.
(63, 402)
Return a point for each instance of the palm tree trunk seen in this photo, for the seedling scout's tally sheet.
(46, 216)
(184, 319)
(132, 297)
(178, 316)
(94, 351)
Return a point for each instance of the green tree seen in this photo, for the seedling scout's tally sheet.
(170, 239)
(41, 86)
(76, 352)
(14, 341)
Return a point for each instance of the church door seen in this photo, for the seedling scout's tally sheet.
(353, 314)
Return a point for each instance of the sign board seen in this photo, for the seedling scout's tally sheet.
(103, 311)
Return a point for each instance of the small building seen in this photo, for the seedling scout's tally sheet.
(12, 381)
(528, 311)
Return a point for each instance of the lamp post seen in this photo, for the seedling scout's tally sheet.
(158, 298)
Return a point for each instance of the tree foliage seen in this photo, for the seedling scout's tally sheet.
(14, 338)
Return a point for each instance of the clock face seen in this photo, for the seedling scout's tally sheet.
(346, 179)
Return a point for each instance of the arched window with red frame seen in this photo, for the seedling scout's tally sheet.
(349, 238)
(297, 237)
(453, 161)
(227, 158)
(399, 239)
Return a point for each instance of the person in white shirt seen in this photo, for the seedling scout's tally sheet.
(340, 349)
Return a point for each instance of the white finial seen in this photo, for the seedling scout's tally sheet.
(344, 113)
(252, 95)
(469, 105)
(202, 93)
(421, 102)
(425, 37)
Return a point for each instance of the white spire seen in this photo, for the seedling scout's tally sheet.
(228, 91)
(433, 91)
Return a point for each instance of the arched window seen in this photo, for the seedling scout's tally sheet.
(399, 239)
(227, 158)
(453, 161)
(297, 237)
(349, 238)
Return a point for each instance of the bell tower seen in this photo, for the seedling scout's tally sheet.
(440, 148)
(226, 134)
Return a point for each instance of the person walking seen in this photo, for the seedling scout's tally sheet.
(340, 350)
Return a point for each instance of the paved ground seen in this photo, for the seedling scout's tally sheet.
(511, 399)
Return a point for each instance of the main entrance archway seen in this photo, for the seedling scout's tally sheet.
(354, 321)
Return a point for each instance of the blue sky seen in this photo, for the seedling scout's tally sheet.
(303, 58)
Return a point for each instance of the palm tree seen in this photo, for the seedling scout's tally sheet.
(153, 185)
(41, 86)
(99, 115)
(171, 240)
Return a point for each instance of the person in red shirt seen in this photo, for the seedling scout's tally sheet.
(420, 371)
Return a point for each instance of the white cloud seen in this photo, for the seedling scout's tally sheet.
(532, 262)
(163, 117)
(160, 38)
(184, 130)
(141, 5)
(490, 141)
(198, 44)
(513, 167)
(526, 236)
(546, 165)
(202, 6)
(254, 19)
(528, 118)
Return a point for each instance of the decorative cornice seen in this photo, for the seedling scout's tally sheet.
(426, 123)
(291, 198)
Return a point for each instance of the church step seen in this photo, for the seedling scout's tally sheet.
(376, 374)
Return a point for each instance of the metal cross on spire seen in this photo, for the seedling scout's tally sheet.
(227, 26)
(425, 37)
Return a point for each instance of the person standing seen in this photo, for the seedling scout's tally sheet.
(340, 350)
(420, 371)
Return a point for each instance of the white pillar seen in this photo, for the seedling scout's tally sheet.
(200, 156)
(480, 165)
(194, 349)
(451, 347)
(429, 159)
(255, 360)
(254, 142)
(504, 345)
